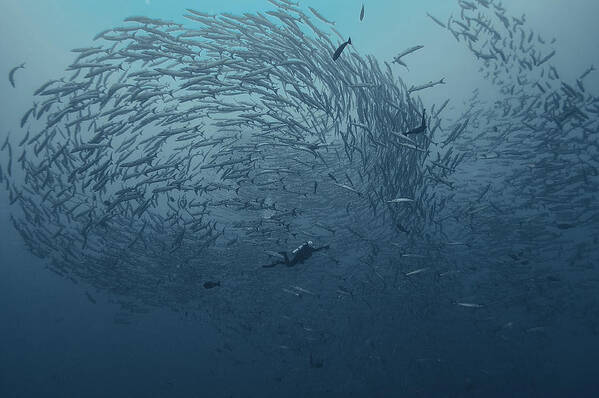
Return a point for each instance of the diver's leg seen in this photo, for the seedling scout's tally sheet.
(284, 254)
(273, 264)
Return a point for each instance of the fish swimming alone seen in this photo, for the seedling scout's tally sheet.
(340, 49)
(398, 57)
(400, 200)
(11, 74)
(362, 13)
(210, 284)
(416, 272)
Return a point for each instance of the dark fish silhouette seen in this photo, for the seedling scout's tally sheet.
(362, 13)
(340, 49)
(210, 284)
(316, 363)
(422, 127)
(11, 74)
(90, 298)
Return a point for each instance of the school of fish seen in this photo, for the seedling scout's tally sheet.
(174, 159)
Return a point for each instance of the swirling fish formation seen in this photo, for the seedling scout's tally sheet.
(174, 158)
(167, 141)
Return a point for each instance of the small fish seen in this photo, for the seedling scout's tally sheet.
(441, 24)
(413, 255)
(5, 142)
(470, 305)
(340, 49)
(348, 188)
(11, 74)
(343, 290)
(24, 139)
(586, 72)
(349, 179)
(400, 200)
(296, 294)
(426, 85)
(422, 127)
(442, 274)
(410, 50)
(415, 272)
(362, 13)
(546, 58)
(302, 290)
(90, 298)
(211, 285)
(317, 15)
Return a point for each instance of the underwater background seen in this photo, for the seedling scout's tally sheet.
(150, 178)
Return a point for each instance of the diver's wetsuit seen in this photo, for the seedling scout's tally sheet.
(300, 254)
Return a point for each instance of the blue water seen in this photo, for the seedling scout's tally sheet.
(64, 339)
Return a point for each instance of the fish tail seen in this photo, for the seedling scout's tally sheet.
(349, 40)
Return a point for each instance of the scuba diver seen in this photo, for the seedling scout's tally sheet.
(302, 253)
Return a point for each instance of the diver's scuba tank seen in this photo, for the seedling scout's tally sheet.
(302, 246)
